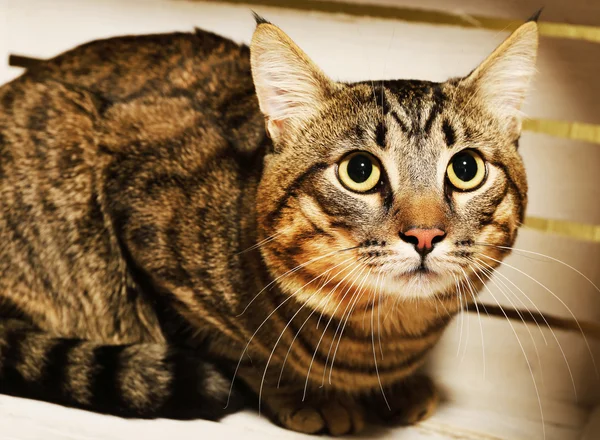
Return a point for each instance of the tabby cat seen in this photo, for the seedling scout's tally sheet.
(189, 225)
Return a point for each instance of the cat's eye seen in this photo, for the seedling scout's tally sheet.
(466, 170)
(359, 172)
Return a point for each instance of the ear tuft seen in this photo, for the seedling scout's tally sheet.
(502, 80)
(535, 17)
(261, 20)
(289, 86)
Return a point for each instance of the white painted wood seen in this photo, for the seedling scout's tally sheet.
(493, 373)
(348, 48)
(571, 289)
(584, 12)
(563, 177)
(22, 419)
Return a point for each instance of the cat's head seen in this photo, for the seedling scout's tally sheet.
(395, 187)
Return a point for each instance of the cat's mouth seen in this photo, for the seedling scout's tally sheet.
(423, 269)
(420, 281)
(420, 272)
(405, 271)
(423, 272)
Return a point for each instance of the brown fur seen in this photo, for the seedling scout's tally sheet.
(156, 241)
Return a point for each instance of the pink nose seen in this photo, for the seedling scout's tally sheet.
(423, 239)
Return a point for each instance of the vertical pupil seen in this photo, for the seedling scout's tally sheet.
(360, 168)
(465, 167)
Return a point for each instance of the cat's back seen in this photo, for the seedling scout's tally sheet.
(140, 108)
(129, 66)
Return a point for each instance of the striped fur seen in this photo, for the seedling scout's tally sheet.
(163, 249)
(129, 380)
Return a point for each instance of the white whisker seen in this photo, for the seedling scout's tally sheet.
(264, 241)
(472, 290)
(356, 266)
(547, 324)
(374, 353)
(548, 257)
(323, 300)
(522, 350)
(364, 267)
(559, 300)
(462, 320)
(379, 314)
(489, 275)
(289, 272)
(285, 328)
(264, 321)
(357, 295)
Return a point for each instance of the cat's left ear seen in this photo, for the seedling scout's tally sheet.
(290, 87)
(502, 80)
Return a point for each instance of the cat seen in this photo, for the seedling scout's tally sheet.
(190, 226)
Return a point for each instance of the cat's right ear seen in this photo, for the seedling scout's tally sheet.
(290, 87)
(502, 80)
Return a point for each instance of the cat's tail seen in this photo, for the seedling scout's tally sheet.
(23, 61)
(138, 380)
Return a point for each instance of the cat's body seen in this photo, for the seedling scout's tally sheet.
(132, 191)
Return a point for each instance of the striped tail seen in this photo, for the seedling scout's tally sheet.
(139, 380)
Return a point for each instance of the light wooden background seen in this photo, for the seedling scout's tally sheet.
(501, 377)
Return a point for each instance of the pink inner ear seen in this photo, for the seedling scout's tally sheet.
(275, 105)
(274, 128)
(278, 124)
(279, 106)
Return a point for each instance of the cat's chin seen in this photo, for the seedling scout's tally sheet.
(420, 283)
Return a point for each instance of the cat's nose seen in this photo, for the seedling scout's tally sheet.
(423, 239)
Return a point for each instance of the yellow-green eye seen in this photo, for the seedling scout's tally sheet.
(466, 170)
(359, 172)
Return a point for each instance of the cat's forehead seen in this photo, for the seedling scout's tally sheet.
(408, 117)
(418, 118)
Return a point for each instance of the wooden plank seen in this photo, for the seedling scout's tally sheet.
(576, 12)
(563, 177)
(566, 228)
(348, 48)
(455, 422)
(27, 419)
(501, 373)
(570, 130)
(420, 15)
(575, 296)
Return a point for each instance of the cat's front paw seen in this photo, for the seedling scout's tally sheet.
(328, 417)
(410, 401)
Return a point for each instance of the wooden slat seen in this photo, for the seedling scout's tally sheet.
(583, 12)
(531, 316)
(569, 130)
(27, 419)
(563, 178)
(473, 372)
(429, 16)
(574, 230)
(452, 422)
(573, 292)
(347, 48)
